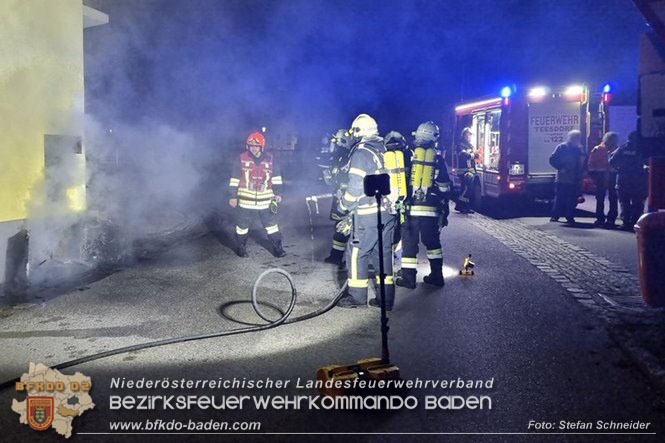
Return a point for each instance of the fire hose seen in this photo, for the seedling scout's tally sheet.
(283, 320)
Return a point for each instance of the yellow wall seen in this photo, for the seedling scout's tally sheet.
(41, 90)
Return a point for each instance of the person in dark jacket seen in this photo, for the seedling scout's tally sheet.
(568, 160)
(631, 182)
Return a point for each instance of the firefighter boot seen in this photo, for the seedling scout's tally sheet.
(277, 249)
(241, 245)
(435, 277)
(408, 279)
(336, 257)
(377, 304)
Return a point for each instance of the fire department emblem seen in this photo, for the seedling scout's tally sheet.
(40, 412)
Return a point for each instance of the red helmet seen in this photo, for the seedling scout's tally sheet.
(256, 139)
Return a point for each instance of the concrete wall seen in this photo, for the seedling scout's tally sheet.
(41, 92)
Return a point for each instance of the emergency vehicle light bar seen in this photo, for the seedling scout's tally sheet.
(574, 90)
(538, 92)
(466, 106)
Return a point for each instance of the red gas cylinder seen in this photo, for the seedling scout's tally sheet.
(650, 230)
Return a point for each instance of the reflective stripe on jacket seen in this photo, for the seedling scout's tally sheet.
(255, 180)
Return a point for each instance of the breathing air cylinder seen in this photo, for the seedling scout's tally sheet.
(428, 169)
(422, 172)
(394, 164)
(417, 167)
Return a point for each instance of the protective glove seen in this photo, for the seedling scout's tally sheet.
(274, 204)
(443, 220)
(344, 226)
(445, 212)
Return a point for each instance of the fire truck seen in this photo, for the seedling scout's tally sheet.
(515, 133)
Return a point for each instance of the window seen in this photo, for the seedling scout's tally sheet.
(491, 159)
(486, 138)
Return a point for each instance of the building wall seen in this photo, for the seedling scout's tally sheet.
(41, 92)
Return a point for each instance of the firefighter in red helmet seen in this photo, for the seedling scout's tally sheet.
(255, 186)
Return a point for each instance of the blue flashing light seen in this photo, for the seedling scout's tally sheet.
(506, 91)
(607, 88)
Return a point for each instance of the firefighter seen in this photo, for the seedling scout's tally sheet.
(337, 176)
(568, 160)
(255, 186)
(367, 158)
(466, 160)
(604, 179)
(631, 183)
(427, 208)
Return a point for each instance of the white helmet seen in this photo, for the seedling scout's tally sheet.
(364, 126)
(427, 132)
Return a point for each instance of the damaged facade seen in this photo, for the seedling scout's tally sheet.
(41, 114)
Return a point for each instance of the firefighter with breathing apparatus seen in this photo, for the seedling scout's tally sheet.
(466, 171)
(368, 157)
(255, 188)
(337, 175)
(427, 208)
(397, 151)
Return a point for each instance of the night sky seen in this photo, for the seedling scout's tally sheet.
(313, 65)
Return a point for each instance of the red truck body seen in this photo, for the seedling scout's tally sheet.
(515, 134)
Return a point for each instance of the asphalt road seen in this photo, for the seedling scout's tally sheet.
(614, 244)
(549, 357)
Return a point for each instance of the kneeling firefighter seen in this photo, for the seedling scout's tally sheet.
(337, 175)
(427, 208)
(367, 158)
(255, 187)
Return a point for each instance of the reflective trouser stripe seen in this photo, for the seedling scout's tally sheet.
(272, 229)
(354, 264)
(354, 281)
(434, 253)
(423, 214)
(358, 283)
(423, 211)
(338, 245)
(388, 280)
(409, 262)
(241, 231)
